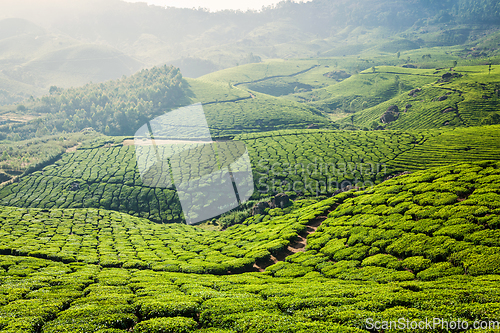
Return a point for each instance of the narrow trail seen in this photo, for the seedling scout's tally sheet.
(399, 73)
(298, 245)
(73, 149)
(276, 76)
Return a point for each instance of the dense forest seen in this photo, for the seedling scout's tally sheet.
(115, 107)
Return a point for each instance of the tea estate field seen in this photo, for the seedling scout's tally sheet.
(417, 246)
(302, 162)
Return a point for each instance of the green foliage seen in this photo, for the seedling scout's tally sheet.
(121, 106)
(166, 325)
(119, 240)
(57, 297)
(431, 224)
(469, 99)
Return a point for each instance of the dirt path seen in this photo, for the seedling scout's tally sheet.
(131, 142)
(73, 149)
(298, 245)
(276, 76)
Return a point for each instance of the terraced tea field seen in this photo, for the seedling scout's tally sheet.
(468, 100)
(111, 239)
(41, 295)
(308, 162)
(430, 224)
(352, 186)
(357, 268)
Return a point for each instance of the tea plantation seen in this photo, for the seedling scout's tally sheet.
(427, 225)
(112, 239)
(304, 162)
(422, 245)
(467, 97)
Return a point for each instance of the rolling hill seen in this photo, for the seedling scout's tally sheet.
(140, 36)
(304, 162)
(371, 129)
(36, 58)
(93, 269)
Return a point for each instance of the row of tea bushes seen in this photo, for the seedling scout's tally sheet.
(426, 225)
(309, 162)
(114, 239)
(56, 297)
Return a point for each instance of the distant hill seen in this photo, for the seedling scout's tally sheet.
(36, 57)
(200, 42)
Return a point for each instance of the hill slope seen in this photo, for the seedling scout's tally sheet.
(467, 96)
(39, 58)
(306, 161)
(433, 235)
(434, 223)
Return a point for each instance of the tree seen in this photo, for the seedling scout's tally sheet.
(251, 58)
(54, 89)
(454, 63)
(398, 54)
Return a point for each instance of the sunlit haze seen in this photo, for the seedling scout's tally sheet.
(213, 5)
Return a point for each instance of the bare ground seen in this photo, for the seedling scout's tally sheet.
(72, 149)
(131, 142)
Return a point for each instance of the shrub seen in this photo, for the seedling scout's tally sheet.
(158, 308)
(166, 325)
(484, 237)
(416, 264)
(439, 270)
(333, 246)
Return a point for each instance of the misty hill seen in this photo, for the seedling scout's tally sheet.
(37, 57)
(199, 42)
(120, 107)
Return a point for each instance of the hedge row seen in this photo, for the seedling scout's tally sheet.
(426, 225)
(56, 297)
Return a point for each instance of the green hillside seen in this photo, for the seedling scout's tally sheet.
(469, 99)
(418, 246)
(115, 107)
(234, 110)
(439, 222)
(359, 92)
(305, 162)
